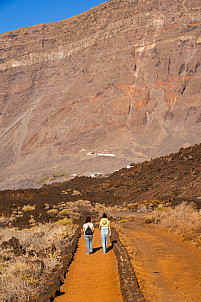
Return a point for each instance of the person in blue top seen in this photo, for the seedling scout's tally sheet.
(105, 227)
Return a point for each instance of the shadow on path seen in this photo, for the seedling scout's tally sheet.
(111, 246)
(96, 249)
(58, 293)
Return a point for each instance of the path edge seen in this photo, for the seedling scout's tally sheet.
(128, 281)
(55, 278)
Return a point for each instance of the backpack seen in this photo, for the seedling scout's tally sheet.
(88, 231)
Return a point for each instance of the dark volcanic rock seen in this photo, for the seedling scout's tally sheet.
(170, 179)
(11, 246)
(123, 78)
(129, 286)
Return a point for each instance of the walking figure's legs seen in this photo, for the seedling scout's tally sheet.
(90, 245)
(88, 239)
(104, 239)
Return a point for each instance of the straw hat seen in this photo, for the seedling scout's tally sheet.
(104, 222)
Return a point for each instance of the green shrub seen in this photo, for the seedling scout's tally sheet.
(28, 208)
(64, 221)
(53, 177)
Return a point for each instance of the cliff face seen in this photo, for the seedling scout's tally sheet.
(122, 78)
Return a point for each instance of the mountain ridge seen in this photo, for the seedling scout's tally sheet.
(122, 78)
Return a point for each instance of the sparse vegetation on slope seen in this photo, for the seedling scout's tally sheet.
(53, 177)
(184, 220)
(28, 255)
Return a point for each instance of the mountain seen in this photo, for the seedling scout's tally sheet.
(121, 79)
(168, 180)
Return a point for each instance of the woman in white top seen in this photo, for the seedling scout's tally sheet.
(88, 230)
(105, 231)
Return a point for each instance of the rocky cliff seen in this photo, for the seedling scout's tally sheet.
(122, 79)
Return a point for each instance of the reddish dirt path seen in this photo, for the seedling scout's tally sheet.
(167, 269)
(92, 278)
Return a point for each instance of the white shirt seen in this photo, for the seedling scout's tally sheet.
(90, 224)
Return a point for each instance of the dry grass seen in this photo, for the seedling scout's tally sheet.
(52, 212)
(64, 212)
(70, 210)
(184, 220)
(6, 220)
(22, 276)
(41, 236)
(19, 280)
(75, 192)
(64, 221)
(28, 208)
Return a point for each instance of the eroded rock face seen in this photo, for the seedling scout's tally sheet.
(122, 78)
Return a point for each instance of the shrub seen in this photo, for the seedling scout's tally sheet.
(160, 208)
(184, 219)
(59, 175)
(132, 218)
(28, 208)
(75, 192)
(124, 220)
(64, 212)
(39, 237)
(52, 177)
(6, 220)
(32, 221)
(21, 277)
(64, 221)
(52, 212)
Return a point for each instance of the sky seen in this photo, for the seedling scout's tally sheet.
(22, 13)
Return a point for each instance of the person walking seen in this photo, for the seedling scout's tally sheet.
(88, 230)
(105, 227)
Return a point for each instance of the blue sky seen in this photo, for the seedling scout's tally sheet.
(22, 13)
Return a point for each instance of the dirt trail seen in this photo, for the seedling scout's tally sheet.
(92, 278)
(167, 268)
